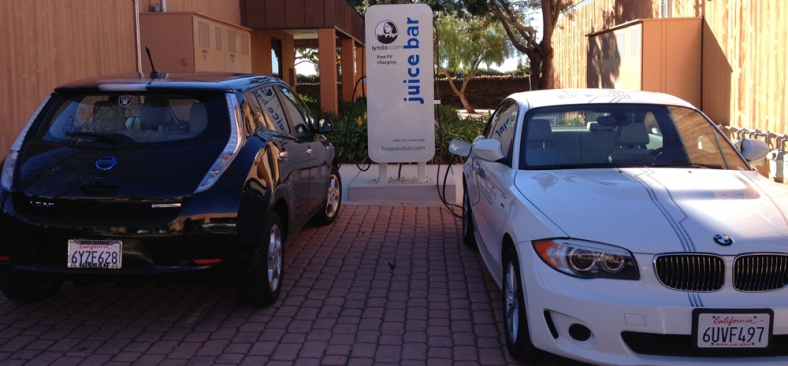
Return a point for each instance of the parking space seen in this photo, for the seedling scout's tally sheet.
(382, 285)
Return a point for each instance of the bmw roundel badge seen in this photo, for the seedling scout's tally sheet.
(723, 239)
(106, 162)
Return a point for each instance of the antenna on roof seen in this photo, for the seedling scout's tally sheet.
(155, 73)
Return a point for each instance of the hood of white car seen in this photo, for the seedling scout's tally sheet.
(660, 210)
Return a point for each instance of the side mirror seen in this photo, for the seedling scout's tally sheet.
(488, 149)
(753, 150)
(460, 148)
(324, 126)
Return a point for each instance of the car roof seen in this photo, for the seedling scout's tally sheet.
(557, 97)
(204, 81)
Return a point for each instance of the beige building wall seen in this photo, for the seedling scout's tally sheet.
(43, 46)
(744, 57)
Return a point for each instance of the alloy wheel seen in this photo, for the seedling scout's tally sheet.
(274, 258)
(512, 304)
(332, 204)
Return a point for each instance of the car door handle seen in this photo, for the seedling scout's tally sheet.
(309, 151)
(477, 166)
(282, 155)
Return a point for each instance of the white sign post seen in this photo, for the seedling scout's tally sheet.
(400, 109)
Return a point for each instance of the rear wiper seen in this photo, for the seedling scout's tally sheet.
(103, 137)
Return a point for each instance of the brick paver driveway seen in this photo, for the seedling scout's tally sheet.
(382, 285)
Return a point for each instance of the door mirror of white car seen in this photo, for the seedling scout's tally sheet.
(753, 150)
(488, 149)
(459, 147)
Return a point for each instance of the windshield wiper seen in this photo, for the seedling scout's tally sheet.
(103, 137)
(684, 165)
(699, 165)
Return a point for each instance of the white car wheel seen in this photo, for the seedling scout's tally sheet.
(518, 338)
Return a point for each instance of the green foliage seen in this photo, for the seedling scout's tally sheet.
(308, 79)
(466, 43)
(573, 121)
(350, 130)
(455, 127)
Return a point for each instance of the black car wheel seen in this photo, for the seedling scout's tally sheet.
(518, 339)
(330, 210)
(468, 234)
(27, 291)
(263, 285)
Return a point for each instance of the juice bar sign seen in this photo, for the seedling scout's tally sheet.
(400, 83)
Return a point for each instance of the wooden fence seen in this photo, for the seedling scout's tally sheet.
(744, 54)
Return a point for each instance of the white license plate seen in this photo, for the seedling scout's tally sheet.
(734, 330)
(99, 254)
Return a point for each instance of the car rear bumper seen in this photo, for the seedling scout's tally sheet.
(42, 252)
(636, 322)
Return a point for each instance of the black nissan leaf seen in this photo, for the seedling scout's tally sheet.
(190, 176)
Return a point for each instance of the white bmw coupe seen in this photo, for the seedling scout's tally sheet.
(624, 228)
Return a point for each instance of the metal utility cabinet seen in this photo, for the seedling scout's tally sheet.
(660, 55)
(189, 42)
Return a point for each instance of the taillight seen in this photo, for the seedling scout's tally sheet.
(230, 150)
(13, 153)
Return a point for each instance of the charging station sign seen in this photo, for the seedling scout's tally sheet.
(400, 109)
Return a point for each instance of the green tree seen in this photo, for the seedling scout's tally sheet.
(464, 43)
(514, 15)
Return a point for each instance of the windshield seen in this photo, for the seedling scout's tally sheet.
(118, 121)
(623, 135)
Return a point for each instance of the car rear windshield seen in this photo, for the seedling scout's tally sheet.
(623, 135)
(129, 121)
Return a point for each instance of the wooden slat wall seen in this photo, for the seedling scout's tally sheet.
(46, 44)
(226, 10)
(744, 77)
(745, 62)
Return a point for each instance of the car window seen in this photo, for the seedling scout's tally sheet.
(494, 118)
(622, 135)
(298, 113)
(272, 108)
(258, 119)
(704, 144)
(129, 120)
(504, 126)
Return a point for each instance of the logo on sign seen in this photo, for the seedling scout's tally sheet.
(106, 162)
(386, 32)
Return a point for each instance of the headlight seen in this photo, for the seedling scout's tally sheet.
(586, 259)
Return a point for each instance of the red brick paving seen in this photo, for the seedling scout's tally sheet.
(382, 285)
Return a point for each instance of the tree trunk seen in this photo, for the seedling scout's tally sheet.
(547, 81)
(459, 93)
(536, 71)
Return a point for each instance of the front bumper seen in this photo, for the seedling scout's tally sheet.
(628, 316)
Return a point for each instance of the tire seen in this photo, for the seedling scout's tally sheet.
(29, 291)
(518, 338)
(264, 284)
(330, 210)
(468, 228)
